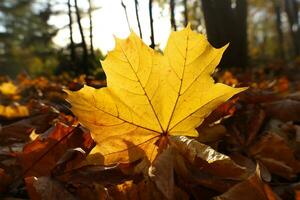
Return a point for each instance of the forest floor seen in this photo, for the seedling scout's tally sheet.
(42, 145)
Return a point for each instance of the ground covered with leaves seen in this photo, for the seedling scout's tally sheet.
(248, 148)
(161, 127)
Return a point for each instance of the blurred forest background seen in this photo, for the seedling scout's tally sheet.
(259, 31)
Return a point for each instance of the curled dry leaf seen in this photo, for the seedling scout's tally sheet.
(211, 133)
(208, 159)
(150, 95)
(276, 155)
(161, 172)
(69, 160)
(252, 188)
(21, 130)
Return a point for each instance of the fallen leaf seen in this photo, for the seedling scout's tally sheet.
(245, 126)
(276, 155)
(161, 172)
(297, 195)
(96, 174)
(21, 130)
(8, 88)
(211, 133)
(150, 96)
(5, 181)
(228, 78)
(41, 156)
(224, 110)
(46, 188)
(252, 188)
(208, 159)
(69, 161)
(144, 190)
(128, 190)
(285, 110)
(13, 111)
(283, 85)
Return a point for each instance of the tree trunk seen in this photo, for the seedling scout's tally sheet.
(72, 46)
(185, 12)
(152, 45)
(91, 29)
(136, 3)
(291, 9)
(172, 15)
(277, 8)
(227, 23)
(84, 46)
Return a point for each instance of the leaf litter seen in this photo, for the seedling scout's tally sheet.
(161, 129)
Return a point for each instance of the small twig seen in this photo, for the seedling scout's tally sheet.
(125, 9)
(152, 45)
(136, 3)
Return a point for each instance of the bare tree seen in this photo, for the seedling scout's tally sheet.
(152, 45)
(125, 10)
(172, 13)
(91, 29)
(72, 46)
(222, 20)
(84, 46)
(136, 3)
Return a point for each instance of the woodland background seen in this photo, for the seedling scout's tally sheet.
(258, 31)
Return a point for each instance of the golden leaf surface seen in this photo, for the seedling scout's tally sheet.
(150, 95)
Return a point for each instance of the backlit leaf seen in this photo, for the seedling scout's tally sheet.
(150, 95)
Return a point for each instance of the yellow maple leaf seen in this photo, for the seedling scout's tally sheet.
(150, 96)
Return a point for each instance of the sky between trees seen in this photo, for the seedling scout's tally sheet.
(109, 19)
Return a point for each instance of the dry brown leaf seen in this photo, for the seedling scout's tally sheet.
(21, 130)
(276, 155)
(5, 180)
(208, 159)
(285, 110)
(161, 172)
(211, 133)
(97, 174)
(40, 156)
(251, 189)
(46, 188)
